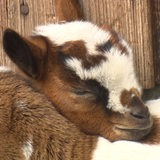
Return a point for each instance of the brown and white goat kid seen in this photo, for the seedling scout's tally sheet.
(32, 129)
(88, 73)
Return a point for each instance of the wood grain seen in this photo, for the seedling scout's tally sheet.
(11, 16)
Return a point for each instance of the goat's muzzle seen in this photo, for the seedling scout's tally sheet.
(137, 122)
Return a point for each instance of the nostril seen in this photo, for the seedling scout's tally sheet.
(140, 113)
(138, 116)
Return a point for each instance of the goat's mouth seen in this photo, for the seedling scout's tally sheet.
(134, 133)
(133, 129)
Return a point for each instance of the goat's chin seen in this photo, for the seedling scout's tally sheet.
(154, 136)
(132, 134)
(149, 134)
(131, 131)
(130, 128)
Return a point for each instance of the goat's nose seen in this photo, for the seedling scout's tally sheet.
(140, 113)
(138, 109)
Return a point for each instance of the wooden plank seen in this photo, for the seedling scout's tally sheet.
(156, 37)
(23, 16)
(131, 18)
(8, 17)
(40, 12)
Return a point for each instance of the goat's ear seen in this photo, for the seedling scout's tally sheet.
(68, 10)
(28, 54)
(106, 27)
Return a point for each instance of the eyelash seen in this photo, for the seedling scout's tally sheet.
(81, 92)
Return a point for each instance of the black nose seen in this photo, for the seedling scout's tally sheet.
(138, 109)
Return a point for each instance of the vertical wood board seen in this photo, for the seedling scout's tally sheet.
(23, 16)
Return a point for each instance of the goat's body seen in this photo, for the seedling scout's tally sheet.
(31, 127)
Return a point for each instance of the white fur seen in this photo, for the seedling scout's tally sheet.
(28, 150)
(4, 69)
(116, 73)
(125, 150)
(78, 30)
(21, 104)
(154, 107)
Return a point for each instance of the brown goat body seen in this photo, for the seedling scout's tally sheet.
(28, 119)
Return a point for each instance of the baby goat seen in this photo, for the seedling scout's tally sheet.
(88, 73)
(73, 74)
(31, 127)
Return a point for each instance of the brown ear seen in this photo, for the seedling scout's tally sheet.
(28, 55)
(68, 10)
(106, 27)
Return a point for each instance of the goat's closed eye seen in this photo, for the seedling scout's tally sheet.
(82, 92)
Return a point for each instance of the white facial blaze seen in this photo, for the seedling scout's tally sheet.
(115, 74)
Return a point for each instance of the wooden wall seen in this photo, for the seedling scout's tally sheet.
(23, 16)
(138, 21)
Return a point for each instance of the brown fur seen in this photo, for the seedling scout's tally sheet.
(126, 96)
(70, 143)
(68, 10)
(77, 49)
(154, 136)
(26, 114)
